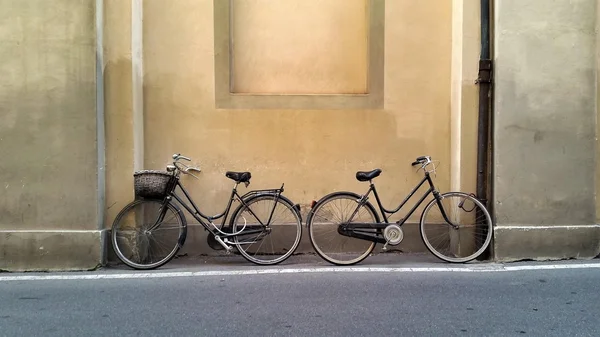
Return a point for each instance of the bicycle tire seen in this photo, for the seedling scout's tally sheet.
(310, 224)
(178, 244)
(455, 259)
(289, 250)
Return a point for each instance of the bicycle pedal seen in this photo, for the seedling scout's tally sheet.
(227, 247)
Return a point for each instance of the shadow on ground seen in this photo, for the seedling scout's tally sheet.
(390, 259)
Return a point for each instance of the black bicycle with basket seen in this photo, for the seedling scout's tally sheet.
(266, 227)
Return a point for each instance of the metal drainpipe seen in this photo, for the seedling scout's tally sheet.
(485, 99)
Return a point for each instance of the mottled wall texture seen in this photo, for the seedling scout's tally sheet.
(48, 114)
(48, 170)
(545, 129)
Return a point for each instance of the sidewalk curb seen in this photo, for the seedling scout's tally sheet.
(272, 271)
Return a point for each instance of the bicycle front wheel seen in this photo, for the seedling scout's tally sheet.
(463, 243)
(148, 233)
(262, 241)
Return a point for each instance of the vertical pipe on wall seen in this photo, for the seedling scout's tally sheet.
(485, 29)
(456, 92)
(485, 97)
(485, 83)
(137, 66)
(100, 131)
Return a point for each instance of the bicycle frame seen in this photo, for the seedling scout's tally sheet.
(354, 229)
(203, 219)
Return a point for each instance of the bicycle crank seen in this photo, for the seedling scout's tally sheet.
(212, 242)
(217, 243)
(393, 235)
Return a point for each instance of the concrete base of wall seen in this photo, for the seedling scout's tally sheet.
(513, 243)
(60, 250)
(85, 250)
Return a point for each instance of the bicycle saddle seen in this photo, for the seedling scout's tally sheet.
(239, 177)
(366, 176)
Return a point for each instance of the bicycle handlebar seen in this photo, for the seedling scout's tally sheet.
(178, 156)
(423, 160)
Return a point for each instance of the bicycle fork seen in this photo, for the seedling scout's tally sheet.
(438, 199)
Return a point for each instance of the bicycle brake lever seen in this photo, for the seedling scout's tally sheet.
(187, 171)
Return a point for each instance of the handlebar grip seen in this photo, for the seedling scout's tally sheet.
(421, 160)
(178, 156)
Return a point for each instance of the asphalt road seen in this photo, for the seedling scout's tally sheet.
(521, 303)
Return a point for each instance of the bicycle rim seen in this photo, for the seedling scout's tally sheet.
(141, 241)
(469, 240)
(327, 215)
(272, 245)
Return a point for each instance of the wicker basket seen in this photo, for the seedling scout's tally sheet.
(151, 184)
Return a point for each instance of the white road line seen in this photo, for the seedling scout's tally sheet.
(553, 266)
(158, 274)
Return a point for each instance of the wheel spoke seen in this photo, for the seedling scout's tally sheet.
(147, 249)
(285, 229)
(464, 243)
(323, 229)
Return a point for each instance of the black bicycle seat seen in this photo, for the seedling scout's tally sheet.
(239, 177)
(366, 176)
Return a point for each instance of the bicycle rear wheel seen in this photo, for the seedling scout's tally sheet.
(324, 221)
(464, 243)
(274, 243)
(148, 233)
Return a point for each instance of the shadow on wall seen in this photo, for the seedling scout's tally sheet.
(119, 137)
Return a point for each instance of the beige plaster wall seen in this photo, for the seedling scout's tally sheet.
(48, 170)
(313, 151)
